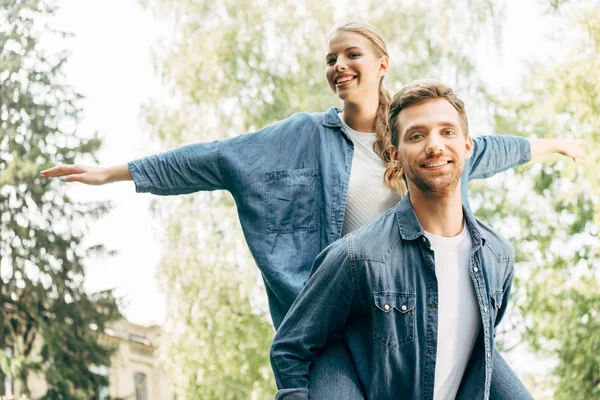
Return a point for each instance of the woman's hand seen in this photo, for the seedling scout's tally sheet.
(88, 175)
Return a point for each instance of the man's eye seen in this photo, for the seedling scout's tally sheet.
(448, 132)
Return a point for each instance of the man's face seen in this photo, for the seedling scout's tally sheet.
(432, 147)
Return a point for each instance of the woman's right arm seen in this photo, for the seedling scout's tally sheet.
(184, 170)
(89, 175)
(229, 164)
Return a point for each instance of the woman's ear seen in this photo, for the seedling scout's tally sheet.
(384, 65)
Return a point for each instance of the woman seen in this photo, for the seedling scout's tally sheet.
(293, 201)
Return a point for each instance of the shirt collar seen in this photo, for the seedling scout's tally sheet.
(410, 228)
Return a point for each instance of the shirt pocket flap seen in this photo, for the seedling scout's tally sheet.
(497, 296)
(402, 302)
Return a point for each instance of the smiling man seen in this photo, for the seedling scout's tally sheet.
(418, 293)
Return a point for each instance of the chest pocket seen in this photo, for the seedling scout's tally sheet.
(292, 200)
(394, 318)
(496, 302)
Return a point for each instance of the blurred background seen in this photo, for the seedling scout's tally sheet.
(105, 293)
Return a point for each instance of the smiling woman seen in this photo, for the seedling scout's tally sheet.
(293, 201)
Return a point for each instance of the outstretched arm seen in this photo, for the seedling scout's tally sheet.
(184, 170)
(320, 311)
(497, 153)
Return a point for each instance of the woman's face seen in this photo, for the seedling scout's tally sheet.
(353, 69)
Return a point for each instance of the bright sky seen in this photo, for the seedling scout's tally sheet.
(111, 66)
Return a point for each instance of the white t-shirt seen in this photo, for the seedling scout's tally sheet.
(458, 313)
(368, 196)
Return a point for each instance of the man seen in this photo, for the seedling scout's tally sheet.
(418, 293)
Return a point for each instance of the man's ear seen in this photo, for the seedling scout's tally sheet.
(469, 146)
(394, 157)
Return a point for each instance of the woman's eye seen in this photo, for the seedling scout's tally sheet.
(330, 61)
(415, 136)
(355, 55)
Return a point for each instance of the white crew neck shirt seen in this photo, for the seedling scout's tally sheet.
(459, 322)
(368, 196)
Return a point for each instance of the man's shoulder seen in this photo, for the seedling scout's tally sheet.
(497, 244)
(375, 241)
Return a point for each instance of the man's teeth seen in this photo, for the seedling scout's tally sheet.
(436, 164)
(346, 79)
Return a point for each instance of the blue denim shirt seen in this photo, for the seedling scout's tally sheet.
(378, 286)
(289, 181)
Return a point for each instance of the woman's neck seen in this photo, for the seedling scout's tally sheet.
(361, 117)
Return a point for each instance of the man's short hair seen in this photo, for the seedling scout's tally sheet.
(418, 92)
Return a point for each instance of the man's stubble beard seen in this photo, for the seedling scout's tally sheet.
(431, 188)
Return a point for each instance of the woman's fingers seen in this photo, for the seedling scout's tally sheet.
(63, 170)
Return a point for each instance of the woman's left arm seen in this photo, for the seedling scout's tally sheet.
(567, 147)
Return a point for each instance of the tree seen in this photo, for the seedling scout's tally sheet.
(51, 324)
(236, 67)
(553, 215)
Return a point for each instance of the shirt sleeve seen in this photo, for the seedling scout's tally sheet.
(230, 164)
(497, 153)
(184, 170)
(320, 311)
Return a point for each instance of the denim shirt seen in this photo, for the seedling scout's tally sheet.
(289, 181)
(378, 286)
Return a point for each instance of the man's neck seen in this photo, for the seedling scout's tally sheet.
(361, 117)
(441, 216)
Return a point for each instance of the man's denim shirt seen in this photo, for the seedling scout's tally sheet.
(289, 181)
(378, 286)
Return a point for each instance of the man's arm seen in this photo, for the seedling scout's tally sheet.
(320, 311)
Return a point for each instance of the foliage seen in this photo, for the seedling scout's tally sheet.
(552, 215)
(44, 312)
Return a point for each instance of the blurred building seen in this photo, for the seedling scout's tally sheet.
(134, 373)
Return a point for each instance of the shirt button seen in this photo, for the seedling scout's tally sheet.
(429, 264)
(427, 398)
(430, 351)
(386, 307)
(475, 269)
(484, 309)
(432, 305)
(403, 308)
(489, 355)
(424, 239)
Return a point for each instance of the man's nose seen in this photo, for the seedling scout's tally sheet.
(434, 144)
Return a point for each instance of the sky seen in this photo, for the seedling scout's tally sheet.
(111, 65)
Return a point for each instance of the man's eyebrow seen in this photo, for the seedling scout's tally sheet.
(448, 124)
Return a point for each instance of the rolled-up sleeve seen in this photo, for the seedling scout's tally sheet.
(184, 170)
(497, 153)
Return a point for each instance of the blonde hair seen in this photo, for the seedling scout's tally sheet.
(392, 176)
(418, 92)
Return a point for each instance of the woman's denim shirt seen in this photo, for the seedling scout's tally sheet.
(289, 181)
(378, 286)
